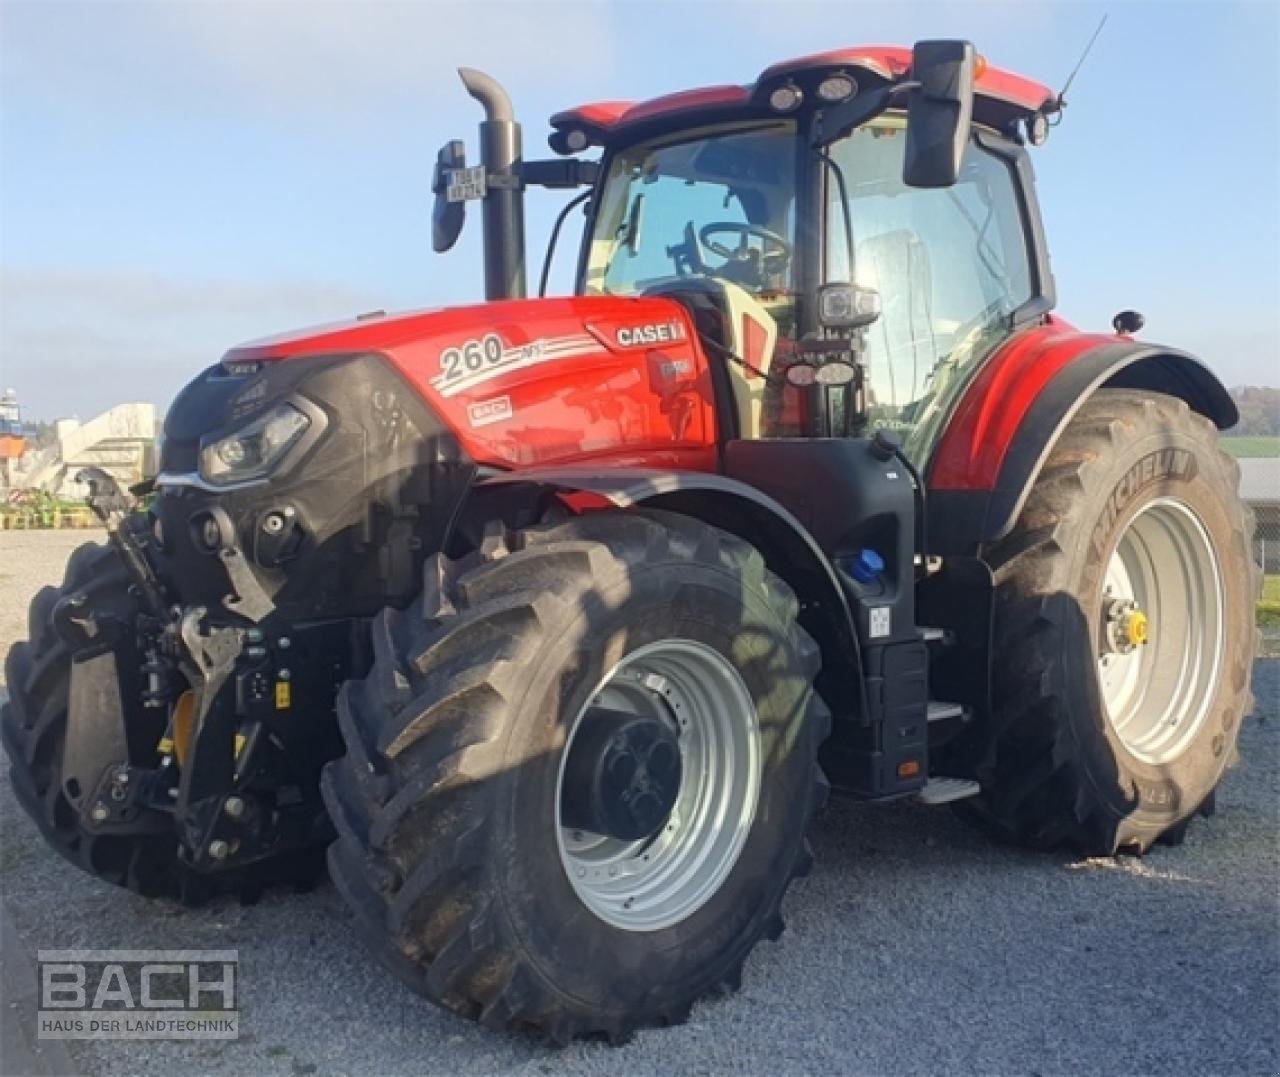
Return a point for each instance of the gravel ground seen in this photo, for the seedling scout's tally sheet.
(915, 947)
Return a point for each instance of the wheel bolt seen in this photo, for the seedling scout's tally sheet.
(233, 807)
(655, 682)
(99, 813)
(218, 850)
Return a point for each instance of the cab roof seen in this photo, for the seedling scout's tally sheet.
(1001, 100)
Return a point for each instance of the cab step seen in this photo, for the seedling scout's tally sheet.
(945, 790)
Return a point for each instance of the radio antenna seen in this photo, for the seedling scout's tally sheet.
(1061, 102)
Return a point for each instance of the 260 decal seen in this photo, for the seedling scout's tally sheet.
(471, 357)
(464, 366)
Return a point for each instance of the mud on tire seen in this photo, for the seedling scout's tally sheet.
(445, 803)
(1053, 768)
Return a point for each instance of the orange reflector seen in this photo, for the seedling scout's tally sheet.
(979, 66)
(183, 725)
(909, 769)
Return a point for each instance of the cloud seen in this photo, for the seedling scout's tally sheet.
(306, 59)
(77, 342)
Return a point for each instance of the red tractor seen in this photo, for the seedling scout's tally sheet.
(552, 619)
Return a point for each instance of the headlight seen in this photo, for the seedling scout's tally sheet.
(252, 451)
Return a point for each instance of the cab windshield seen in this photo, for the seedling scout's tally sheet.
(951, 265)
(717, 203)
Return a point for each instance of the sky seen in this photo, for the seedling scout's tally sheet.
(176, 177)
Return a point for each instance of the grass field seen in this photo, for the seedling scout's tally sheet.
(1252, 445)
(1269, 603)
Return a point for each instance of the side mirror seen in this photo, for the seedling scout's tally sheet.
(938, 112)
(449, 213)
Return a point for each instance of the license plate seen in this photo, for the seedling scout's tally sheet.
(465, 184)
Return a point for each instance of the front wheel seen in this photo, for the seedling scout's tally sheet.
(1124, 633)
(579, 773)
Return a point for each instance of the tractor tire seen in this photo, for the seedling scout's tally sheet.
(33, 724)
(1124, 634)
(452, 851)
(33, 727)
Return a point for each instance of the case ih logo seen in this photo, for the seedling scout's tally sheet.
(639, 336)
(138, 995)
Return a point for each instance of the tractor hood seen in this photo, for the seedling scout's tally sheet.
(525, 320)
(535, 381)
(307, 446)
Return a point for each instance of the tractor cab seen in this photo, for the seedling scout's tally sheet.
(853, 232)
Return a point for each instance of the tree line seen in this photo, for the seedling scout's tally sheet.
(1259, 410)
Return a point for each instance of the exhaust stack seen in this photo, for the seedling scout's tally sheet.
(503, 211)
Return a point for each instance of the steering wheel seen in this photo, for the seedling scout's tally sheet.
(773, 260)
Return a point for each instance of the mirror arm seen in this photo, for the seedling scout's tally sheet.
(834, 123)
(560, 173)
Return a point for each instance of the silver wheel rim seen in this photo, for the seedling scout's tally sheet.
(1158, 693)
(658, 881)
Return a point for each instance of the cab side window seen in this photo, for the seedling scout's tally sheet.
(950, 265)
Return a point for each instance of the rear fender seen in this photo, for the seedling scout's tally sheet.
(1013, 414)
(786, 545)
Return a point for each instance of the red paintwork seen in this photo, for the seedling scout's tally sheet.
(614, 113)
(755, 338)
(885, 62)
(894, 61)
(974, 444)
(644, 405)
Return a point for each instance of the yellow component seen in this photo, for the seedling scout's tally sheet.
(177, 741)
(284, 696)
(182, 725)
(1137, 629)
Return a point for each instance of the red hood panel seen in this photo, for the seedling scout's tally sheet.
(543, 381)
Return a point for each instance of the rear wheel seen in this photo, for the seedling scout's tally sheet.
(578, 774)
(1124, 633)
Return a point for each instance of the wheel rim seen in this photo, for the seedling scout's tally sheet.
(1161, 632)
(652, 883)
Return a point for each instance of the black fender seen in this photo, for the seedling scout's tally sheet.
(788, 548)
(961, 521)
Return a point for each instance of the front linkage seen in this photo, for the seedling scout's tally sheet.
(246, 711)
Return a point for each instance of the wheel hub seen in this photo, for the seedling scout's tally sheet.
(1127, 627)
(658, 785)
(622, 776)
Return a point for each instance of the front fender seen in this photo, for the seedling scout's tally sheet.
(1012, 415)
(788, 548)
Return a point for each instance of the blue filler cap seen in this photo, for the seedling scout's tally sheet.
(866, 566)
